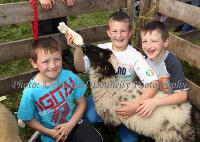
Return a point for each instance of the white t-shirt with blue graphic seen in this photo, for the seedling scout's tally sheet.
(51, 105)
(130, 63)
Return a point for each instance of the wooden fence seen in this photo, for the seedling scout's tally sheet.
(179, 45)
(16, 13)
(184, 49)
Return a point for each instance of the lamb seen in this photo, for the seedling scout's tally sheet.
(166, 124)
(9, 131)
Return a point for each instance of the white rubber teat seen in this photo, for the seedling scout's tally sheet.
(78, 40)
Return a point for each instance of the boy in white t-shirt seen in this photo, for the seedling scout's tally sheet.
(130, 62)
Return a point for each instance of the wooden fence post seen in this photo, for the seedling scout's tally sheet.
(130, 9)
(131, 13)
(148, 10)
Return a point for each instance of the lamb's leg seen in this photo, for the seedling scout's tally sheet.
(183, 133)
(168, 137)
(188, 132)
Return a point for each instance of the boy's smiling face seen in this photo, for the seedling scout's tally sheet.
(153, 44)
(49, 65)
(119, 34)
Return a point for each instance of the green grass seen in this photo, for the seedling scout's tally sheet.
(10, 1)
(15, 32)
(14, 68)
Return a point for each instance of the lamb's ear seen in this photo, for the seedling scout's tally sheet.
(113, 61)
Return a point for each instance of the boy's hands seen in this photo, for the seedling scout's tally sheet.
(147, 107)
(64, 130)
(53, 133)
(47, 4)
(69, 2)
(70, 40)
(143, 108)
(128, 108)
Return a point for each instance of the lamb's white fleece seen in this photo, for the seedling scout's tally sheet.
(170, 123)
(9, 131)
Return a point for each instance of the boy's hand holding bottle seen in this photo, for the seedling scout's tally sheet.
(73, 39)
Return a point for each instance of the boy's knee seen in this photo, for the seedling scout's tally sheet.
(91, 116)
(129, 138)
(90, 100)
(91, 113)
(127, 135)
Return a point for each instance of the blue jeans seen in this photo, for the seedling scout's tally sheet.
(125, 134)
(187, 27)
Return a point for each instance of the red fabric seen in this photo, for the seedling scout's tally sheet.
(35, 20)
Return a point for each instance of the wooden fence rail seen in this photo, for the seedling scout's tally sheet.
(21, 12)
(191, 35)
(185, 50)
(21, 49)
(13, 84)
(194, 94)
(181, 11)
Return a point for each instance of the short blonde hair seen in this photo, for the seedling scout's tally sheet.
(120, 16)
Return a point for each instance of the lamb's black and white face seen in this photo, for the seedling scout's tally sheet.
(101, 60)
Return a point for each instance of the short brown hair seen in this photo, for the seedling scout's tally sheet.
(156, 25)
(120, 16)
(46, 44)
